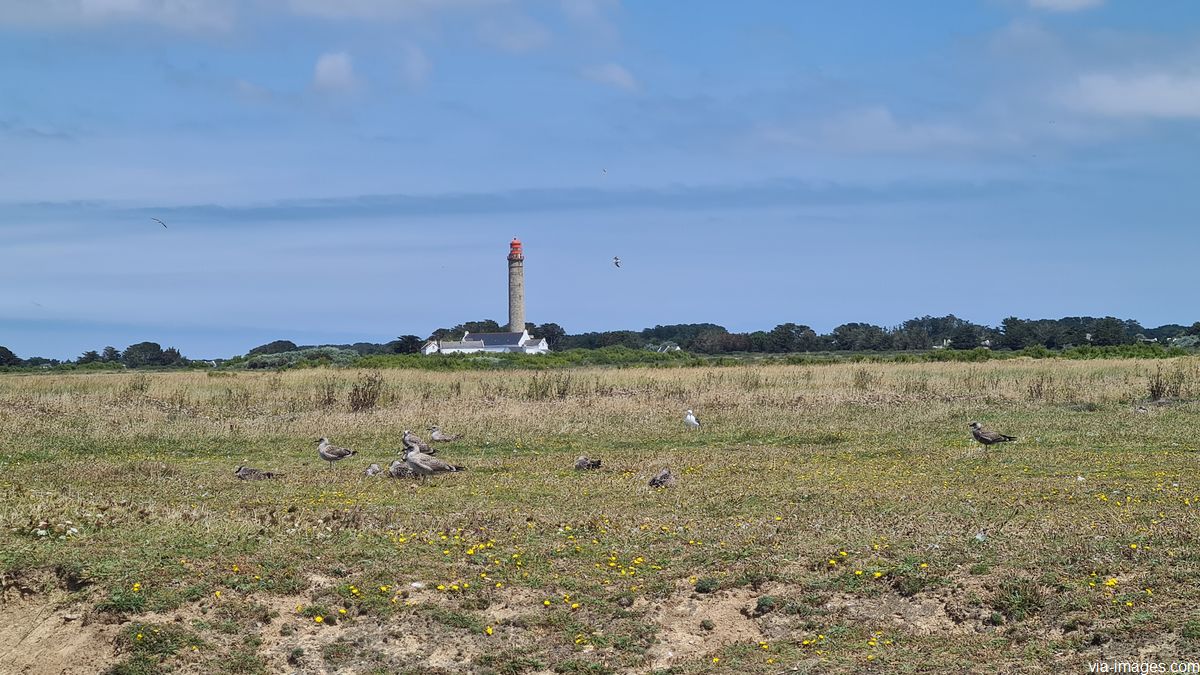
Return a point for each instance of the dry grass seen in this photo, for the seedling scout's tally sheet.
(802, 478)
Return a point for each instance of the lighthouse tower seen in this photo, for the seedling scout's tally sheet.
(516, 287)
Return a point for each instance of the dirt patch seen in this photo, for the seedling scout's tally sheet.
(512, 603)
(684, 631)
(40, 635)
(920, 615)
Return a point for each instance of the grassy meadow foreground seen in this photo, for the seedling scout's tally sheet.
(833, 518)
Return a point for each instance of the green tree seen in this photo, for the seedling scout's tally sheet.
(553, 333)
(861, 337)
(276, 347)
(1108, 331)
(405, 344)
(1016, 334)
(142, 354)
(110, 355)
(7, 358)
(965, 337)
(88, 357)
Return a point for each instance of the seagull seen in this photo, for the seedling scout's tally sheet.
(663, 479)
(332, 453)
(584, 463)
(412, 441)
(373, 470)
(159, 222)
(616, 261)
(248, 473)
(437, 435)
(425, 465)
(604, 171)
(690, 421)
(988, 437)
(399, 469)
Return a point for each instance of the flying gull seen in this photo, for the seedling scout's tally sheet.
(988, 437)
(690, 421)
(332, 453)
(616, 261)
(159, 222)
(425, 465)
(437, 435)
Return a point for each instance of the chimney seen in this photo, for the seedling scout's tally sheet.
(516, 287)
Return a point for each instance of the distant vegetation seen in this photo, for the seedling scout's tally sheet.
(926, 338)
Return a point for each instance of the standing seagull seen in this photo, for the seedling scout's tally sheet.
(690, 421)
(988, 437)
(437, 435)
(332, 453)
(159, 222)
(616, 261)
(424, 465)
(412, 441)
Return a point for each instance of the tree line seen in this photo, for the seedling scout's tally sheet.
(920, 333)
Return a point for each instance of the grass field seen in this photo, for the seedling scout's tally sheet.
(832, 518)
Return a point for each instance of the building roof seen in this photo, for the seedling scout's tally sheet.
(496, 339)
(464, 344)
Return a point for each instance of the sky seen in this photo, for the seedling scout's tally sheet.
(335, 172)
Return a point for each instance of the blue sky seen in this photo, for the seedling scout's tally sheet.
(353, 171)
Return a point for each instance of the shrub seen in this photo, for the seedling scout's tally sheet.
(365, 393)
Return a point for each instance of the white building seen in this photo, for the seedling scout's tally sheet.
(471, 343)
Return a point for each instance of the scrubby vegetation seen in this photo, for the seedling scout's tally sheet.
(828, 518)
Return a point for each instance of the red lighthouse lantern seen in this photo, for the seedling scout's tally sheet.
(514, 252)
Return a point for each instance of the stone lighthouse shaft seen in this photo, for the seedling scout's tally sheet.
(516, 287)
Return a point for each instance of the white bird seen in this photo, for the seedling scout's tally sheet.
(616, 261)
(373, 470)
(425, 465)
(690, 421)
(332, 453)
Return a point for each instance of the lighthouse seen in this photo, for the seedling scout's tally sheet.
(516, 287)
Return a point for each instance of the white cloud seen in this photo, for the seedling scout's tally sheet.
(181, 14)
(334, 72)
(415, 67)
(612, 75)
(873, 130)
(516, 34)
(1065, 5)
(1159, 95)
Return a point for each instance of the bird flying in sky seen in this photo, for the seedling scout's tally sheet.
(159, 222)
(616, 261)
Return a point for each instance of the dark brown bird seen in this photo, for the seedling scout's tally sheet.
(248, 473)
(663, 479)
(585, 463)
(988, 437)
